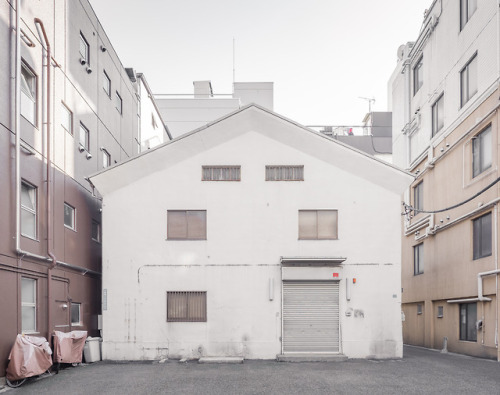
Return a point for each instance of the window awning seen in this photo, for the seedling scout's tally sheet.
(331, 261)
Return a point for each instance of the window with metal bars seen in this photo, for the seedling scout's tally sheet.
(221, 173)
(187, 306)
(284, 173)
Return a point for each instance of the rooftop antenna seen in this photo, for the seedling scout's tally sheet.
(370, 100)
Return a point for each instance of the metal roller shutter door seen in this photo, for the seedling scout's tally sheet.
(311, 316)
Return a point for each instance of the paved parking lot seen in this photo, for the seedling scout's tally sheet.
(421, 371)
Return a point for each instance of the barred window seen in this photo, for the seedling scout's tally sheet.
(221, 173)
(284, 173)
(186, 306)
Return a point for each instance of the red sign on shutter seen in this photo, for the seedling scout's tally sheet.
(335, 274)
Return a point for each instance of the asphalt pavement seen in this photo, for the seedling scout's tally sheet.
(421, 371)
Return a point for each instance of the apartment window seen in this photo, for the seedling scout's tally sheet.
(467, 9)
(84, 137)
(66, 119)
(106, 84)
(186, 307)
(440, 312)
(96, 231)
(119, 102)
(482, 236)
(28, 304)
(84, 50)
(468, 81)
(76, 318)
(418, 259)
(69, 216)
(419, 309)
(418, 75)
(284, 173)
(186, 225)
(106, 158)
(481, 152)
(28, 93)
(468, 317)
(221, 173)
(28, 210)
(418, 197)
(438, 115)
(318, 224)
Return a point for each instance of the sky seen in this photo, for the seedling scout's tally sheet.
(322, 55)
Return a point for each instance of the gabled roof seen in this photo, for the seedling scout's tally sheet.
(255, 118)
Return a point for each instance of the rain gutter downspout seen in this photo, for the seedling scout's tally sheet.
(480, 284)
(51, 255)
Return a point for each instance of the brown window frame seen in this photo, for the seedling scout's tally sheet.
(225, 173)
(171, 231)
(182, 306)
(317, 235)
(285, 173)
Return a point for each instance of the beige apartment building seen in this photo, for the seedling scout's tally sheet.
(445, 101)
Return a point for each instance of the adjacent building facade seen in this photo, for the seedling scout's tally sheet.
(254, 237)
(445, 101)
(68, 108)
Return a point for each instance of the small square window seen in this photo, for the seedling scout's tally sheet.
(318, 224)
(84, 50)
(84, 137)
(186, 307)
(119, 103)
(96, 231)
(419, 309)
(66, 119)
(69, 216)
(440, 312)
(76, 318)
(418, 259)
(186, 225)
(106, 84)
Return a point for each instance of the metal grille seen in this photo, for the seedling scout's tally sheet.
(284, 173)
(186, 306)
(310, 316)
(221, 173)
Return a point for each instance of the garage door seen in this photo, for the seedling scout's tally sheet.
(310, 316)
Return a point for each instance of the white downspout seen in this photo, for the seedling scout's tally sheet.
(18, 125)
(480, 276)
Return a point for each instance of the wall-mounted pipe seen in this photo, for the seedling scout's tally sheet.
(47, 97)
(480, 283)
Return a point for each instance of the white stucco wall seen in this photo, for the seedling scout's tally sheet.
(250, 225)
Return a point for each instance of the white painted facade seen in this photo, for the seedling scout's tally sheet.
(183, 113)
(251, 225)
(445, 50)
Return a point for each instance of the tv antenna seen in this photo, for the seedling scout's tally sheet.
(370, 100)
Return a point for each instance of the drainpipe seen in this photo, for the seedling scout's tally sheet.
(40, 26)
(480, 284)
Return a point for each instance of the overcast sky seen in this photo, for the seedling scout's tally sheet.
(322, 55)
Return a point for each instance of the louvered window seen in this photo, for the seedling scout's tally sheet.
(284, 173)
(221, 173)
(186, 307)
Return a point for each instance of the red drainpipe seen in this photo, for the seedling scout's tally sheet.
(49, 186)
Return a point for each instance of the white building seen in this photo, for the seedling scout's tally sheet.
(252, 236)
(183, 113)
